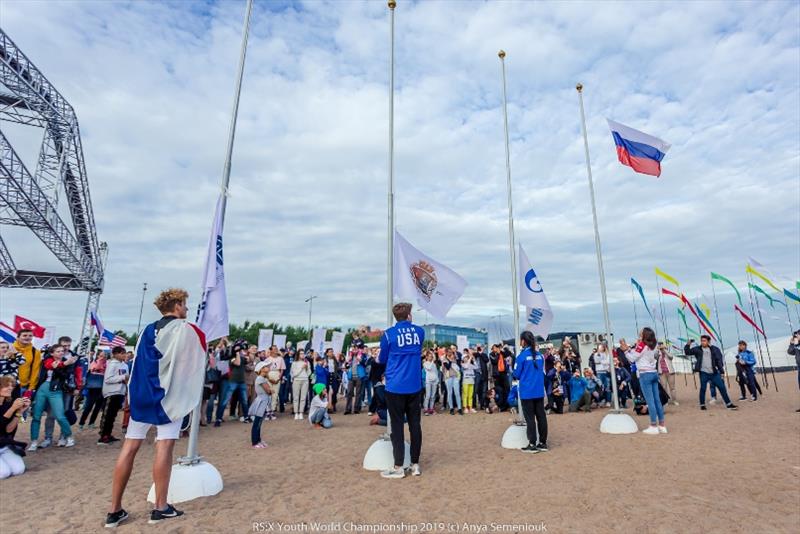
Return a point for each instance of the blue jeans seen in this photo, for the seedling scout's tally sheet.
(321, 417)
(605, 378)
(716, 380)
(53, 401)
(230, 388)
(453, 390)
(255, 431)
(368, 390)
(649, 385)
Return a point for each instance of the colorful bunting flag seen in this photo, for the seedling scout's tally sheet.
(749, 320)
(715, 276)
(644, 300)
(699, 320)
(752, 271)
(667, 277)
(772, 301)
(791, 296)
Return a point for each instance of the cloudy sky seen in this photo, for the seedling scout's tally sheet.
(152, 85)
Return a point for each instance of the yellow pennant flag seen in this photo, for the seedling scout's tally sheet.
(705, 310)
(666, 277)
(764, 278)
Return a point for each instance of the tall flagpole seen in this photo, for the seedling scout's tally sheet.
(511, 237)
(390, 230)
(635, 315)
(764, 378)
(598, 248)
(766, 341)
(192, 457)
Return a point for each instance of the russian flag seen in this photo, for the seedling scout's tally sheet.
(7, 333)
(639, 151)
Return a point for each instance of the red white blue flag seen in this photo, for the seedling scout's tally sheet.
(639, 151)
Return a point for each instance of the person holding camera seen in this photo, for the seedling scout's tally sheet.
(746, 371)
(709, 363)
(11, 451)
(645, 356)
(237, 357)
(794, 350)
(52, 383)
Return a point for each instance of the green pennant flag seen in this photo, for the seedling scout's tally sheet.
(756, 288)
(695, 333)
(715, 276)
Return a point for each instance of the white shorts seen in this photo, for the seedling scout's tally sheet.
(137, 430)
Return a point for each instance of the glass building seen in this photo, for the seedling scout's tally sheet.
(443, 334)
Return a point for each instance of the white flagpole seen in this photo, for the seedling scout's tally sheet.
(511, 237)
(192, 457)
(390, 243)
(616, 412)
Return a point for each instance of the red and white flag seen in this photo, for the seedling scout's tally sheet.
(21, 323)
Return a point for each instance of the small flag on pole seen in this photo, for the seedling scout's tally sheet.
(539, 315)
(21, 323)
(7, 333)
(639, 151)
(641, 294)
(212, 314)
(749, 320)
(667, 277)
(715, 276)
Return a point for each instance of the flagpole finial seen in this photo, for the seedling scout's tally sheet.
(502, 54)
(579, 87)
(392, 4)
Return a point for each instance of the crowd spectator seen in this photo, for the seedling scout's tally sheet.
(52, 382)
(709, 363)
(260, 404)
(666, 372)
(300, 374)
(115, 389)
(11, 451)
(94, 387)
(746, 360)
(645, 355)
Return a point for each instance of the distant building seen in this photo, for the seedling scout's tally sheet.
(443, 334)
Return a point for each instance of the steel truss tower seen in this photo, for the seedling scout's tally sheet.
(31, 199)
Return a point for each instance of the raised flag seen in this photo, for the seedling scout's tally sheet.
(265, 338)
(7, 333)
(752, 271)
(538, 314)
(748, 319)
(666, 291)
(697, 316)
(337, 342)
(644, 300)
(772, 301)
(689, 330)
(212, 314)
(791, 296)
(432, 285)
(97, 323)
(318, 336)
(111, 339)
(715, 276)
(667, 277)
(279, 341)
(704, 317)
(639, 151)
(21, 323)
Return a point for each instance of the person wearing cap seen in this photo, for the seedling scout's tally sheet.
(401, 353)
(261, 403)
(318, 413)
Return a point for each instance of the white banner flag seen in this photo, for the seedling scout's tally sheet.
(212, 314)
(538, 315)
(462, 343)
(302, 345)
(279, 341)
(265, 338)
(49, 338)
(434, 286)
(337, 342)
(318, 340)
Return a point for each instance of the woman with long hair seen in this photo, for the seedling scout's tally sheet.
(529, 371)
(300, 373)
(645, 356)
(50, 395)
(11, 409)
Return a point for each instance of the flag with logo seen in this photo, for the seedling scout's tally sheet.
(212, 314)
(418, 277)
(538, 314)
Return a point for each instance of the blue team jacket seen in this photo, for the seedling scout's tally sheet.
(529, 370)
(401, 352)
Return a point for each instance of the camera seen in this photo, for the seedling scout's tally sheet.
(238, 346)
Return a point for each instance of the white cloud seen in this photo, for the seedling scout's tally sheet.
(152, 85)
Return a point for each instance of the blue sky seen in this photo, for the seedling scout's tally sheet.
(152, 86)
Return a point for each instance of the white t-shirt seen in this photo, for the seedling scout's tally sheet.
(431, 373)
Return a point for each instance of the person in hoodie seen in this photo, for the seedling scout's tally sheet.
(709, 363)
(557, 379)
(748, 362)
(114, 389)
(401, 353)
(529, 371)
(579, 397)
(318, 412)
(623, 382)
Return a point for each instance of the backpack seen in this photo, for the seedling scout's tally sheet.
(512, 396)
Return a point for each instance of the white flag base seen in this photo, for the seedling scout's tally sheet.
(380, 456)
(515, 437)
(618, 423)
(189, 482)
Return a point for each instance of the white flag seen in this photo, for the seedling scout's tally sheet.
(212, 314)
(435, 287)
(337, 342)
(318, 340)
(279, 341)
(265, 338)
(462, 343)
(538, 315)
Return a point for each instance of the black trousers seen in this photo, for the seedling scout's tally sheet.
(405, 406)
(113, 405)
(94, 403)
(534, 409)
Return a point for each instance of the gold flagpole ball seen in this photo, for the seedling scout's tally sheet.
(392, 4)
(579, 87)
(502, 54)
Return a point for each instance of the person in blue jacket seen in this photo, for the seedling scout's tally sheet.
(529, 371)
(748, 361)
(401, 353)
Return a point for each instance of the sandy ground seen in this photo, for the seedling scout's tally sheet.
(716, 471)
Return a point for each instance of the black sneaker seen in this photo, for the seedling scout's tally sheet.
(742, 398)
(703, 407)
(103, 441)
(114, 519)
(542, 447)
(217, 423)
(531, 448)
(112, 439)
(160, 515)
(452, 411)
(732, 406)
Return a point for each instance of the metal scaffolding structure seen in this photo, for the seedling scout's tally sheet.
(31, 199)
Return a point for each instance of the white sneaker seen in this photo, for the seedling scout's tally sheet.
(62, 441)
(241, 419)
(662, 429)
(33, 446)
(712, 401)
(300, 417)
(70, 442)
(415, 470)
(651, 430)
(394, 473)
(675, 403)
(45, 443)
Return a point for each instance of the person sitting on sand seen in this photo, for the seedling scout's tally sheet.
(379, 402)
(579, 398)
(595, 387)
(318, 413)
(11, 451)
